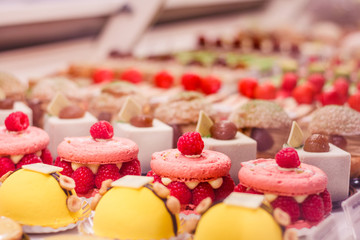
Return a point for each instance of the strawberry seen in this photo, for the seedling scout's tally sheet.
(163, 79)
(105, 172)
(102, 75)
(265, 91)
(67, 169)
(246, 87)
(84, 180)
(287, 158)
(190, 143)
(132, 75)
(289, 81)
(354, 101)
(331, 97)
(210, 85)
(6, 165)
(304, 94)
(28, 159)
(288, 205)
(341, 85)
(317, 80)
(313, 208)
(17, 121)
(130, 168)
(202, 191)
(225, 189)
(190, 81)
(46, 156)
(180, 191)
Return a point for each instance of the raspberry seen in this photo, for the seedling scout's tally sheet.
(341, 85)
(132, 75)
(67, 169)
(317, 80)
(17, 121)
(210, 85)
(6, 165)
(225, 189)
(84, 180)
(313, 208)
(265, 91)
(304, 94)
(102, 75)
(202, 191)
(28, 159)
(106, 171)
(180, 191)
(156, 177)
(287, 158)
(246, 87)
(102, 130)
(289, 81)
(354, 101)
(163, 80)
(130, 168)
(331, 97)
(288, 205)
(46, 157)
(240, 188)
(325, 195)
(252, 191)
(190, 143)
(190, 81)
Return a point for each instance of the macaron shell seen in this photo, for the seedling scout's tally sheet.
(89, 151)
(265, 176)
(31, 140)
(176, 166)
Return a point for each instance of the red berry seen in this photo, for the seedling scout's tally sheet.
(313, 208)
(202, 191)
(304, 94)
(240, 188)
(341, 86)
(190, 143)
(132, 75)
(252, 191)
(46, 157)
(283, 94)
(354, 101)
(6, 165)
(210, 85)
(67, 169)
(190, 81)
(17, 121)
(163, 80)
(28, 159)
(130, 168)
(156, 177)
(325, 195)
(102, 75)
(287, 158)
(102, 130)
(225, 189)
(265, 91)
(84, 180)
(288, 205)
(317, 80)
(289, 81)
(331, 97)
(105, 172)
(246, 87)
(180, 191)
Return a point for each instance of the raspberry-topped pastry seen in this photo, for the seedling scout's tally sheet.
(191, 173)
(91, 160)
(21, 144)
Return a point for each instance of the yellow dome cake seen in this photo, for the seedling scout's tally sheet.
(240, 217)
(37, 195)
(133, 208)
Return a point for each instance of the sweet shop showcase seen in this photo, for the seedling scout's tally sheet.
(180, 120)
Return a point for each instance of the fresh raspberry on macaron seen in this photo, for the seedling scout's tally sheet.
(287, 158)
(190, 143)
(17, 121)
(102, 130)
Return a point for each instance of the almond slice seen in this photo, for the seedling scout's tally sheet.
(290, 234)
(203, 205)
(5, 176)
(282, 217)
(16, 158)
(161, 190)
(166, 181)
(73, 203)
(95, 201)
(66, 182)
(173, 205)
(105, 185)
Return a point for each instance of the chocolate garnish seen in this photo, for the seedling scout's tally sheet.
(338, 141)
(37, 110)
(142, 121)
(7, 103)
(177, 132)
(223, 130)
(71, 112)
(317, 143)
(263, 139)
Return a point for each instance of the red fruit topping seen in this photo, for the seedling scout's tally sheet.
(283, 94)
(156, 177)
(240, 188)
(325, 195)
(46, 157)
(190, 143)
(287, 158)
(289, 81)
(102, 130)
(17, 121)
(132, 75)
(105, 172)
(331, 97)
(6, 165)
(202, 191)
(67, 169)
(317, 80)
(354, 101)
(210, 85)
(102, 75)
(84, 180)
(28, 159)
(130, 168)
(288, 205)
(163, 80)
(190, 81)
(304, 94)
(225, 189)
(313, 208)
(247, 87)
(180, 191)
(265, 91)
(341, 86)
(252, 191)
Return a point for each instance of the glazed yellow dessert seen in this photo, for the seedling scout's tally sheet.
(35, 198)
(135, 212)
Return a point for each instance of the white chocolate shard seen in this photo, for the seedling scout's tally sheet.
(57, 103)
(244, 200)
(42, 168)
(166, 181)
(16, 158)
(204, 124)
(129, 110)
(131, 181)
(191, 185)
(215, 184)
(296, 137)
